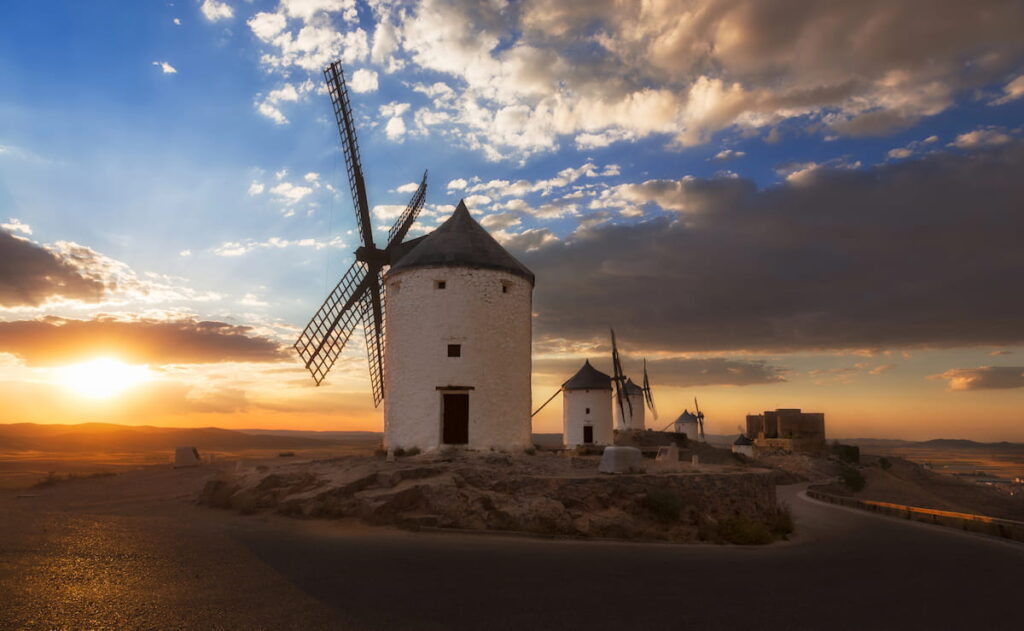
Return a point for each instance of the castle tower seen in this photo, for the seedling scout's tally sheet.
(633, 419)
(587, 408)
(457, 365)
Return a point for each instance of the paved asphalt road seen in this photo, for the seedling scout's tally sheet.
(164, 564)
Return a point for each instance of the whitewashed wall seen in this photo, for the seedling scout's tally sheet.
(495, 331)
(574, 416)
(690, 428)
(634, 420)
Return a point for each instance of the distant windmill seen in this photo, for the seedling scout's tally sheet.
(626, 391)
(623, 388)
(700, 419)
(359, 293)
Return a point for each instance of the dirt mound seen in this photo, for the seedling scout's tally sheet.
(541, 494)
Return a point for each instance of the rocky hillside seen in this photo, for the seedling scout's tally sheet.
(541, 494)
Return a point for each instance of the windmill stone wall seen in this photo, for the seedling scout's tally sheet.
(575, 416)
(636, 419)
(458, 289)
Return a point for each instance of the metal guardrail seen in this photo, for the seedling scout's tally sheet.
(1005, 528)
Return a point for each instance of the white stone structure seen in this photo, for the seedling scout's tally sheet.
(458, 321)
(634, 418)
(587, 408)
(744, 446)
(687, 423)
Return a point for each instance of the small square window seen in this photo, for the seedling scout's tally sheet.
(455, 350)
(440, 284)
(504, 288)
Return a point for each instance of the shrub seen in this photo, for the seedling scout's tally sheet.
(884, 463)
(412, 451)
(664, 505)
(530, 451)
(852, 479)
(782, 521)
(846, 453)
(744, 531)
(399, 452)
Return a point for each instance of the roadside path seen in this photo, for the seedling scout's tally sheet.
(157, 562)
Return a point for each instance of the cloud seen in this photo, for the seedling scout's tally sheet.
(409, 187)
(457, 184)
(522, 83)
(31, 274)
(290, 193)
(363, 80)
(675, 372)
(214, 10)
(16, 225)
(915, 147)
(395, 128)
(911, 253)
(1000, 353)
(728, 154)
(238, 248)
(165, 67)
(1011, 91)
(54, 341)
(984, 378)
(256, 188)
(984, 137)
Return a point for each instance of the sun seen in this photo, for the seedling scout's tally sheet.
(103, 377)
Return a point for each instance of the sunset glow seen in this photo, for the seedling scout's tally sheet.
(102, 378)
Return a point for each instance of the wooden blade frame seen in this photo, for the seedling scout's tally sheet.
(648, 395)
(327, 332)
(408, 218)
(335, 78)
(620, 383)
(360, 293)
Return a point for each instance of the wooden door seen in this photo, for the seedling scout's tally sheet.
(588, 434)
(455, 419)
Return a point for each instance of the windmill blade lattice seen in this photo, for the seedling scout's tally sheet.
(327, 332)
(360, 293)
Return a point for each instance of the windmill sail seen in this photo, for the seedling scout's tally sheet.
(648, 395)
(359, 294)
(326, 334)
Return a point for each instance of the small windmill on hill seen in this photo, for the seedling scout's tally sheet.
(358, 296)
(630, 396)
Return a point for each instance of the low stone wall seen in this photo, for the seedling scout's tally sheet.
(665, 506)
(961, 521)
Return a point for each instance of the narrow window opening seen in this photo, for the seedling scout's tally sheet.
(455, 350)
(504, 288)
(440, 284)
(588, 410)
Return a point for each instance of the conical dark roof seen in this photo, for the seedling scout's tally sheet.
(743, 440)
(588, 378)
(632, 388)
(686, 416)
(462, 242)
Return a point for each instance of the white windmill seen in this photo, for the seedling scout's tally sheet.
(456, 366)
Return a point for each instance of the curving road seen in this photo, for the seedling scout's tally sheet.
(161, 563)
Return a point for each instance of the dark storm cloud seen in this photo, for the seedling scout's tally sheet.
(984, 378)
(30, 274)
(55, 341)
(678, 372)
(921, 252)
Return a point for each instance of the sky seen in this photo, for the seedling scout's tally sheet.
(811, 204)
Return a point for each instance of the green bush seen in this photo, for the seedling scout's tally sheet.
(852, 479)
(664, 505)
(744, 531)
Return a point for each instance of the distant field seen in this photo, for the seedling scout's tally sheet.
(22, 469)
(1003, 463)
